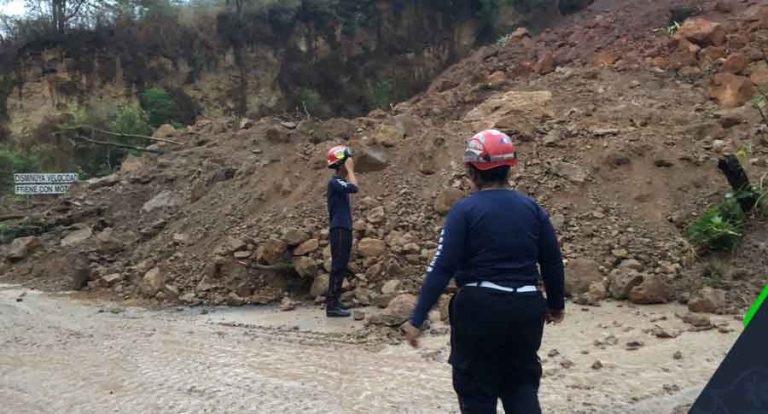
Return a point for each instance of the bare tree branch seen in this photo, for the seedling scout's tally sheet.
(119, 134)
(114, 144)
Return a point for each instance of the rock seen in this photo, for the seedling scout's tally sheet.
(76, 237)
(663, 333)
(597, 365)
(444, 85)
(569, 171)
(387, 135)
(188, 298)
(631, 264)
(369, 247)
(230, 245)
(496, 78)
(165, 131)
(708, 300)
(516, 112)
(109, 242)
(697, 320)
(152, 282)
(319, 286)
(653, 289)
(520, 33)
(23, 247)
(724, 6)
(446, 199)
(731, 117)
(287, 304)
(759, 74)
(546, 64)
(736, 63)
(171, 291)
(397, 312)
(634, 345)
(277, 135)
(101, 182)
(702, 32)
(307, 247)
(364, 296)
(710, 55)
(305, 266)
(377, 215)
(294, 237)
(390, 287)
(132, 165)
(246, 123)
(358, 315)
(580, 274)
(80, 273)
(604, 58)
(444, 306)
(730, 90)
(111, 279)
(271, 252)
(369, 159)
(166, 199)
(678, 355)
(596, 293)
(243, 255)
(622, 281)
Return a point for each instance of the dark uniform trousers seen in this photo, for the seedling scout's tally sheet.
(495, 338)
(341, 246)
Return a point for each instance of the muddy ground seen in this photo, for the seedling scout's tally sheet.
(61, 354)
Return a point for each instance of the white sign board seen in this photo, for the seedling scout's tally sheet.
(31, 184)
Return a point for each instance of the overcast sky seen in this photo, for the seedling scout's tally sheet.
(14, 7)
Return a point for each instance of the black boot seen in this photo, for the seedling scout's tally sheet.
(337, 312)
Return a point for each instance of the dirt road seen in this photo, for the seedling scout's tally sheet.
(59, 355)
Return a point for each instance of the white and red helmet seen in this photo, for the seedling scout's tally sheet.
(338, 155)
(490, 149)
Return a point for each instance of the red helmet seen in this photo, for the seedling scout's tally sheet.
(338, 155)
(490, 149)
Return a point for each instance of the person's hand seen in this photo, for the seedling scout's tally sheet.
(554, 316)
(412, 334)
(350, 164)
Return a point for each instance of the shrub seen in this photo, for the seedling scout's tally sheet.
(719, 229)
(160, 106)
(310, 99)
(382, 94)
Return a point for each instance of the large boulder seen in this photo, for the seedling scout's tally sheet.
(166, 199)
(294, 237)
(707, 300)
(397, 312)
(621, 281)
(653, 289)
(369, 247)
(702, 32)
(152, 282)
(271, 252)
(516, 112)
(446, 199)
(79, 235)
(736, 63)
(387, 135)
(305, 266)
(570, 171)
(730, 90)
(23, 247)
(377, 215)
(759, 74)
(390, 287)
(320, 286)
(307, 247)
(579, 276)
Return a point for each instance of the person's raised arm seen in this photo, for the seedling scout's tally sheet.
(351, 178)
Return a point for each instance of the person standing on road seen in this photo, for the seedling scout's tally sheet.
(342, 184)
(494, 243)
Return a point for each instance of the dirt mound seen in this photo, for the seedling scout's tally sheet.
(619, 146)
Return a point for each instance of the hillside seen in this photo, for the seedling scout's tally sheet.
(619, 125)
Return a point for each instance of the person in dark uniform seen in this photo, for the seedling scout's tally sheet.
(342, 184)
(497, 244)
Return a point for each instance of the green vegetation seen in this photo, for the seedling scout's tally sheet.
(760, 102)
(14, 161)
(160, 107)
(720, 228)
(673, 28)
(310, 100)
(503, 41)
(382, 94)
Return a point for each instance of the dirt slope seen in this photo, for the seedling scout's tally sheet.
(618, 138)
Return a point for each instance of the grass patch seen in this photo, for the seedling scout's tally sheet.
(720, 228)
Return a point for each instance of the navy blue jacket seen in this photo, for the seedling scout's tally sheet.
(339, 209)
(499, 236)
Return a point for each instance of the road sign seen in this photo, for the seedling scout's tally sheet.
(31, 184)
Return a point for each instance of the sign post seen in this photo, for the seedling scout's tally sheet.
(36, 184)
